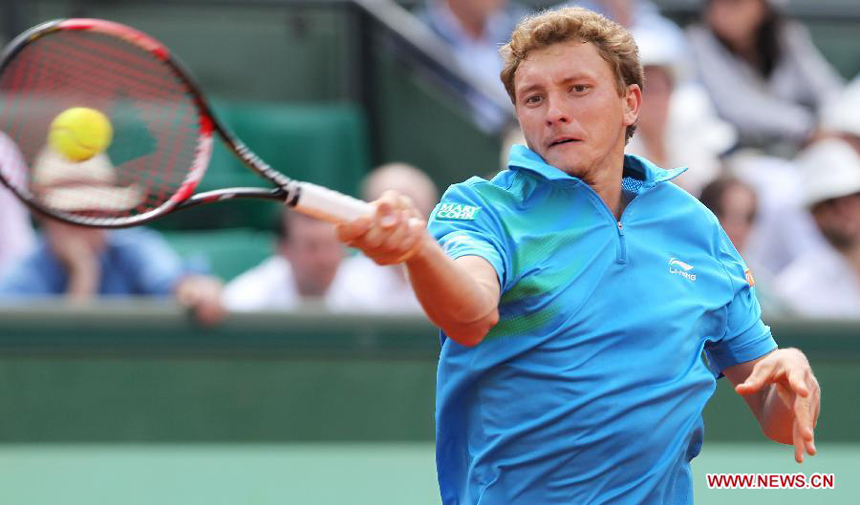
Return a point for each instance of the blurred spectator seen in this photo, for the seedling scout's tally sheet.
(735, 205)
(84, 263)
(474, 30)
(763, 72)
(306, 262)
(677, 123)
(841, 116)
(825, 282)
(783, 229)
(16, 232)
(640, 16)
(364, 286)
(81, 263)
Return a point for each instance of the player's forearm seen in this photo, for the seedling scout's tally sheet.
(463, 306)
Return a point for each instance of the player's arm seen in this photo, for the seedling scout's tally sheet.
(460, 296)
(783, 395)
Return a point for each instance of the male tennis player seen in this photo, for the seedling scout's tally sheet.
(576, 292)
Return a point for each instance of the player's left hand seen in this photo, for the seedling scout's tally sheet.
(796, 386)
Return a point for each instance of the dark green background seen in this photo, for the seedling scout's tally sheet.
(145, 373)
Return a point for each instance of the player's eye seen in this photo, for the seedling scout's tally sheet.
(579, 88)
(533, 99)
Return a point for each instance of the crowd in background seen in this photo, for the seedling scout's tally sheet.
(769, 130)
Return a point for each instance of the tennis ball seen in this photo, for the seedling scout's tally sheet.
(79, 133)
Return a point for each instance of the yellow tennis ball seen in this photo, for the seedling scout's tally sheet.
(79, 133)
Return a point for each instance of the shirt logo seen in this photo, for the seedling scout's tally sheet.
(678, 267)
(457, 211)
(750, 279)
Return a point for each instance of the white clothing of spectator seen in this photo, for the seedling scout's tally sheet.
(841, 116)
(825, 281)
(474, 31)
(270, 285)
(783, 229)
(302, 270)
(639, 16)
(820, 284)
(16, 231)
(678, 125)
(770, 91)
(361, 284)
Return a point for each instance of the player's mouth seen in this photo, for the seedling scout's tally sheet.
(563, 140)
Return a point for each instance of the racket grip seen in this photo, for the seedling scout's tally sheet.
(328, 205)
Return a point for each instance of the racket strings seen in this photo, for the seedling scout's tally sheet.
(152, 111)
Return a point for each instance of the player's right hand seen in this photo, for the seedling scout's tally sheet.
(394, 233)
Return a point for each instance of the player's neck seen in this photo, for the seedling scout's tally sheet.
(605, 180)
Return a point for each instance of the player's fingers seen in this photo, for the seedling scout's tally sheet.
(810, 446)
(803, 420)
(816, 400)
(797, 440)
(406, 204)
(414, 242)
(785, 394)
(760, 376)
(387, 207)
(385, 222)
(349, 232)
(797, 381)
(386, 214)
(393, 243)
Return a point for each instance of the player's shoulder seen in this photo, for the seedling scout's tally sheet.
(502, 189)
(677, 201)
(478, 199)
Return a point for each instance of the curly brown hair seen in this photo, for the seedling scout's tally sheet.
(614, 43)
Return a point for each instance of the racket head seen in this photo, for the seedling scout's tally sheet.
(162, 126)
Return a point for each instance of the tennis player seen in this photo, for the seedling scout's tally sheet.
(576, 292)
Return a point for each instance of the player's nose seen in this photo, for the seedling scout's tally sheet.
(556, 113)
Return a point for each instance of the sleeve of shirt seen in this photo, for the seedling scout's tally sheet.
(465, 225)
(746, 337)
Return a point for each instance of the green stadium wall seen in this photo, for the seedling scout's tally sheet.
(144, 372)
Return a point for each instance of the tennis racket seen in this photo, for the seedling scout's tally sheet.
(163, 131)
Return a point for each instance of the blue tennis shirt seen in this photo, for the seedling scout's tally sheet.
(611, 336)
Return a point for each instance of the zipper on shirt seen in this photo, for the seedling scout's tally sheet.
(621, 256)
(621, 247)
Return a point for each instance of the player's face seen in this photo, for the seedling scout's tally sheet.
(569, 108)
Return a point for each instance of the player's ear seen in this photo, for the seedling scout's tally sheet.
(632, 104)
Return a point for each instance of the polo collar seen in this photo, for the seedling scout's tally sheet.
(523, 158)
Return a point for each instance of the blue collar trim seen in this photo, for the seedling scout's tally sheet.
(523, 158)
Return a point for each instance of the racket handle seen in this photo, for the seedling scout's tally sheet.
(329, 205)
